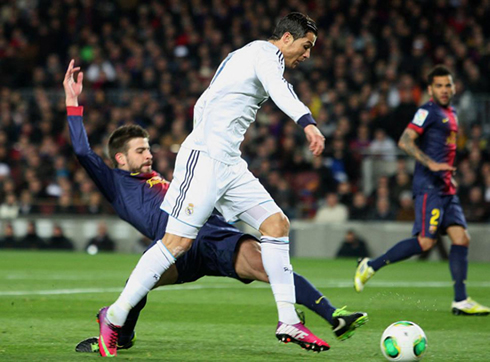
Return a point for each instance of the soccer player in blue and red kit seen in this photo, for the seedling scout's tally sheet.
(431, 139)
(136, 193)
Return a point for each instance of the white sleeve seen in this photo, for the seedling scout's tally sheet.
(270, 69)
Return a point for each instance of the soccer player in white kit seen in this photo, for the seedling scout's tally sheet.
(209, 173)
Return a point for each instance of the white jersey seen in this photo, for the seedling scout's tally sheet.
(242, 83)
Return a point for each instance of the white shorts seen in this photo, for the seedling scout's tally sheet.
(201, 184)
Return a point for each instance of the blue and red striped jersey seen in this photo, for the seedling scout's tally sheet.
(437, 127)
(136, 198)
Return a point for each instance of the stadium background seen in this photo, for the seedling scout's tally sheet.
(148, 61)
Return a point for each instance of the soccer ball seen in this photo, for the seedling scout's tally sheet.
(403, 341)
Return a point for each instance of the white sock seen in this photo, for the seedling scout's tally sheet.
(145, 275)
(275, 257)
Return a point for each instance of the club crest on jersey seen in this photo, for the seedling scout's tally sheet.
(432, 229)
(451, 140)
(155, 180)
(189, 210)
(420, 117)
(445, 120)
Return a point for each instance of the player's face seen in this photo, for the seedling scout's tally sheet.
(139, 157)
(442, 90)
(298, 50)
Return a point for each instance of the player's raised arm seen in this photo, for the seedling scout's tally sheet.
(407, 144)
(95, 166)
(72, 88)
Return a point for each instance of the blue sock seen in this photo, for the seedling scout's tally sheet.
(310, 297)
(401, 251)
(458, 263)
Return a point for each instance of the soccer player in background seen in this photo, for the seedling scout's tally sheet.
(431, 139)
(209, 173)
(136, 193)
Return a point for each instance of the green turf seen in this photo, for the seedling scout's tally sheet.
(218, 319)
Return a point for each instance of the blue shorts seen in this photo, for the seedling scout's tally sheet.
(434, 213)
(212, 253)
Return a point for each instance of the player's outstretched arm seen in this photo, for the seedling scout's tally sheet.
(72, 88)
(315, 138)
(407, 144)
(95, 166)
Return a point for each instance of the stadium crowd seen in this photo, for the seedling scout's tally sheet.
(148, 61)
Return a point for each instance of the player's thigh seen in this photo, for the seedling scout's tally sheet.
(429, 213)
(248, 261)
(193, 191)
(217, 248)
(241, 193)
(454, 222)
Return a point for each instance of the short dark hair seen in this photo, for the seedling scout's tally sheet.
(295, 23)
(438, 71)
(119, 139)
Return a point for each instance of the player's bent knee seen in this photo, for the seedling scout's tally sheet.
(276, 225)
(426, 243)
(177, 245)
(464, 240)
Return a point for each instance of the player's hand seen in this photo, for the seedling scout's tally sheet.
(436, 166)
(72, 88)
(315, 138)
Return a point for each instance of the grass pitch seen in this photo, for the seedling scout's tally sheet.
(48, 303)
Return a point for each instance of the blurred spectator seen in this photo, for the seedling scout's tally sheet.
(284, 196)
(65, 205)
(94, 206)
(26, 206)
(9, 209)
(464, 103)
(360, 209)
(403, 113)
(100, 242)
(401, 167)
(344, 193)
(101, 72)
(382, 146)
(332, 211)
(340, 162)
(326, 181)
(359, 146)
(58, 240)
(353, 246)
(406, 211)
(476, 140)
(8, 240)
(400, 183)
(382, 189)
(383, 210)
(466, 184)
(282, 193)
(32, 240)
(475, 209)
